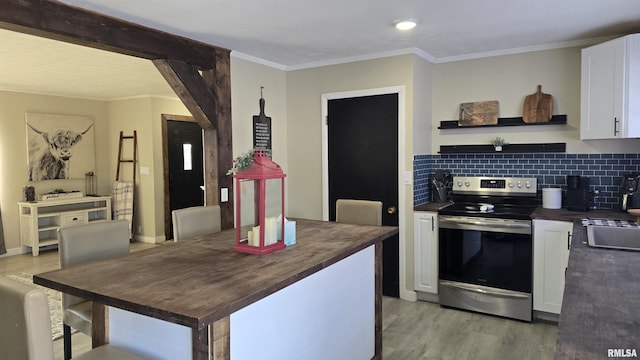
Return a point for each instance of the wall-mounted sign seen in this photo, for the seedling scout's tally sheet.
(261, 129)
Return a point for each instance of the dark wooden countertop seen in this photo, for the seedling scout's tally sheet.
(601, 304)
(198, 281)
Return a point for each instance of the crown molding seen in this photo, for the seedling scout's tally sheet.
(421, 54)
(522, 50)
(257, 60)
(372, 56)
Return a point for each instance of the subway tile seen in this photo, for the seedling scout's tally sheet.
(605, 170)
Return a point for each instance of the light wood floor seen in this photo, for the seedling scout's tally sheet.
(411, 330)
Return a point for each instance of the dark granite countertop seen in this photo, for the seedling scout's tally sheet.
(601, 304)
(566, 215)
(432, 206)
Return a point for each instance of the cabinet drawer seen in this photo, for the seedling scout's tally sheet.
(73, 218)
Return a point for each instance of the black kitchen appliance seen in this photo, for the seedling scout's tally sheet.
(630, 192)
(578, 197)
(485, 247)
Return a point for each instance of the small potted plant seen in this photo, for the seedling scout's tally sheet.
(498, 143)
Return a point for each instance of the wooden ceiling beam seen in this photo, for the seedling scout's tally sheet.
(191, 88)
(59, 21)
(179, 60)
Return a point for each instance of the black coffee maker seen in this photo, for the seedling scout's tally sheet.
(578, 198)
(630, 192)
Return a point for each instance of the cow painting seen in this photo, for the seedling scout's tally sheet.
(51, 151)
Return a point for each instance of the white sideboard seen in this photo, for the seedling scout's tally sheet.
(40, 220)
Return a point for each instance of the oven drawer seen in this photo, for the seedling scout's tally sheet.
(511, 304)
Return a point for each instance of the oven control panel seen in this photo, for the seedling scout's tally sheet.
(496, 185)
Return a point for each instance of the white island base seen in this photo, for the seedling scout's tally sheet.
(327, 315)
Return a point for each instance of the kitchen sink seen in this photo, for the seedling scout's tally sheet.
(625, 238)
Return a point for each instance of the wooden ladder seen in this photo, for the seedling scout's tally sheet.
(133, 160)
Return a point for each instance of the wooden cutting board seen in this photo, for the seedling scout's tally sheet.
(478, 113)
(537, 107)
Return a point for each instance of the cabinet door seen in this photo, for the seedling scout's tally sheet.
(425, 228)
(601, 100)
(551, 243)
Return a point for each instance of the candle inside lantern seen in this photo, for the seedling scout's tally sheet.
(255, 236)
(250, 237)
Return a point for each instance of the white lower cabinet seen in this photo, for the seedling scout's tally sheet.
(551, 244)
(425, 247)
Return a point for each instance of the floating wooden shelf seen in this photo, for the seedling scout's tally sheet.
(506, 149)
(510, 121)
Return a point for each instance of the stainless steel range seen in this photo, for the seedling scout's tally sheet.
(485, 246)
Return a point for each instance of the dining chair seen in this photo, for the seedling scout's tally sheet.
(194, 221)
(80, 244)
(361, 212)
(26, 327)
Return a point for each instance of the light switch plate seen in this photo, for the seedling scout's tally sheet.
(407, 177)
(144, 170)
(224, 194)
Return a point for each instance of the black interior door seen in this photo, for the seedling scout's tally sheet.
(186, 173)
(363, 164)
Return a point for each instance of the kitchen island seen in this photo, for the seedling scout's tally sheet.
(319, 298)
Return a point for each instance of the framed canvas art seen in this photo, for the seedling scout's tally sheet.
(59, 146)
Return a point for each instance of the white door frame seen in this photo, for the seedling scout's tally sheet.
(400, 90)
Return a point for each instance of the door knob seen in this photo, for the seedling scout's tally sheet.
(392, 210)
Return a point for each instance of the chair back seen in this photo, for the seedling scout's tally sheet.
(96, 241)
(361, 212)
(194, 221)
(26, 324)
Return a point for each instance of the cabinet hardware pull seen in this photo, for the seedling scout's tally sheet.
(432, 225)
(568, 241)
(615, 126)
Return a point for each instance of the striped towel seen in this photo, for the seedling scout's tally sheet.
(122, 202)
(605, 222)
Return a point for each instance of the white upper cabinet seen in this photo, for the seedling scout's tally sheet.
(610, 90)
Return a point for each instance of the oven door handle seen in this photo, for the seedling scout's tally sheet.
(484, 223)
(480, 290)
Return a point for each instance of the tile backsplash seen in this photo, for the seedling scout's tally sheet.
(605, 171)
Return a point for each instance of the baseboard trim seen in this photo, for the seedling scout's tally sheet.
(408, 295)
(14, 251)
(150, 239)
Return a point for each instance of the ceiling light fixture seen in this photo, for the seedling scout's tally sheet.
(406, 24)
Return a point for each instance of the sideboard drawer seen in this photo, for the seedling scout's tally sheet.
(74, 218)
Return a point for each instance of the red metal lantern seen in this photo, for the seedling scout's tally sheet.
(259, 204)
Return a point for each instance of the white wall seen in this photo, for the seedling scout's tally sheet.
(13, 152)
(246, 80)
(422, 106)
(143, 114)
(509, 79)
(304, 138)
